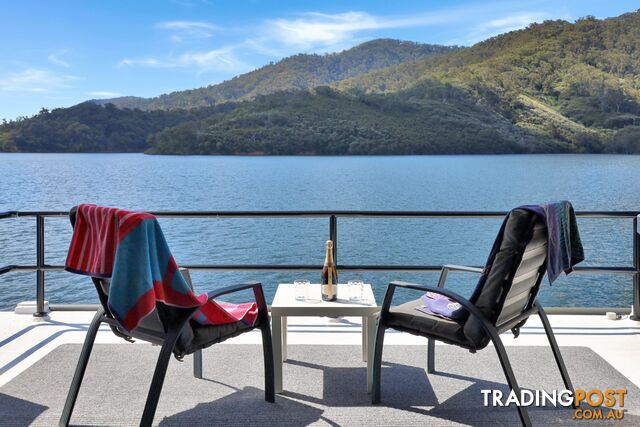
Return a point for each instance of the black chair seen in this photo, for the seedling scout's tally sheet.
(503, 300)
(183, 337)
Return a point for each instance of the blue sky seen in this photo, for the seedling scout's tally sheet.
(59, 53)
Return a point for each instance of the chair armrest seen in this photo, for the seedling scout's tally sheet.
(222, 291)
(233, 288)
(258, 293)
(451, 267)
(468, 305)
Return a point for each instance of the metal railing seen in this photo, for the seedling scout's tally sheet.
(41, 267)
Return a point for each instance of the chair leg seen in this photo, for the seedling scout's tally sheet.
(197, 364)
(267, 352)
(377, 363)
(158, 379)
(81, 368)
(556, 351)
(511, 379)
(431, 356)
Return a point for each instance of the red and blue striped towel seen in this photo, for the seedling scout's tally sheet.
(130, 249)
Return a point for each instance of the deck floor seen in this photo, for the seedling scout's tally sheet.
(24, 339)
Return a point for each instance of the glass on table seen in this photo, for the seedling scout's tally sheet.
(356, 288)
(301, 289)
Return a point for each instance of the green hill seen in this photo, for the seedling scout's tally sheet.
(88, 127)
(295, 72)
(552, 87)
(577, 83)
(329, 122)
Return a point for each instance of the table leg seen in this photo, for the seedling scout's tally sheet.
(285, 327)
(276, 333)
(364, 338)
(371, 341)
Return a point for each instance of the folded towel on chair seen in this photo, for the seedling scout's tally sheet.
(564, 250)
(130, 249)
(442, 306)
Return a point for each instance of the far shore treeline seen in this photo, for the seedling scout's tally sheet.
(554, 87)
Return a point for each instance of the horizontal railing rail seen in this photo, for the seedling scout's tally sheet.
(41, 267)
(324, 213)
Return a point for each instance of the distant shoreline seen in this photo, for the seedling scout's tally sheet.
(318, 155)
(556, 87)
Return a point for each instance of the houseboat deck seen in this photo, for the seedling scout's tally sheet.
(27, 341)
(324, 376)
(24, 339)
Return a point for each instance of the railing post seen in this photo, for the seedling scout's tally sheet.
(333, 236)
(40, 265)
(636, 274)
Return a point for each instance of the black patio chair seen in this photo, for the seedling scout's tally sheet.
(503, 300)
(183, 337)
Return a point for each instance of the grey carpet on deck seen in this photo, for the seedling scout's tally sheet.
(325, 385)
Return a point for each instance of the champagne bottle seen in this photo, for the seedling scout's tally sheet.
(329, 276)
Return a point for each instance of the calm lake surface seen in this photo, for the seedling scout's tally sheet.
(136, 181)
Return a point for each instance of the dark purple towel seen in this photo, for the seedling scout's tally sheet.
(442, 306)
(564, 248)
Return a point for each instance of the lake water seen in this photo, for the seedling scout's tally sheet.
(136, 181)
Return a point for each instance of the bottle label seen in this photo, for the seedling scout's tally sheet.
(328, 290)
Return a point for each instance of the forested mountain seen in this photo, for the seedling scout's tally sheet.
(552, 87)
(296, 72)
(578, 83)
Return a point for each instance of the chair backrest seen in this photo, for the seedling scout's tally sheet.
(150, 328)
(510, 285)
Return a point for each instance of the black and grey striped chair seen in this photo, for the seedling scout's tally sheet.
(503, 300)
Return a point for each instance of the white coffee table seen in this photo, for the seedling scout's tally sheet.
(285, 305)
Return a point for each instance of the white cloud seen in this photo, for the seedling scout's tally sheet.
(104, 94)
(188, 30)
(210, 60)
(312, 31)
(55, 58)
(319, 33)
(35, 80)
(502, 25)
(147, 62)
(223, 59)
(513, 22)
(315, 29)
(185, 25)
